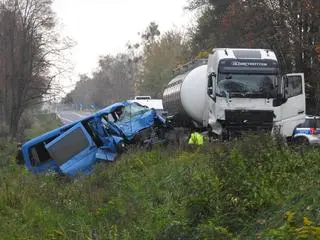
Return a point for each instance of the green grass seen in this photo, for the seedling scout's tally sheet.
(248, 189)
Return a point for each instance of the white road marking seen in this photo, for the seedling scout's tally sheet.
(65, 119)
(80, 115)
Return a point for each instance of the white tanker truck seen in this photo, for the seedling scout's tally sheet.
(236, 90)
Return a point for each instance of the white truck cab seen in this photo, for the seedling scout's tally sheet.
(245, 91)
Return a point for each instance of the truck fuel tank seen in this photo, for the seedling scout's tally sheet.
(186, 94)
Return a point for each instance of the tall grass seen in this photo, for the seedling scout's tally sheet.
(253, 188)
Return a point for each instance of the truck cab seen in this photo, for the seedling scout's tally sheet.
(246, 91)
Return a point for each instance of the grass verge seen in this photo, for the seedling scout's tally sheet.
(253, 188)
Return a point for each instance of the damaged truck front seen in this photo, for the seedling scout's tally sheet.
(76, 147)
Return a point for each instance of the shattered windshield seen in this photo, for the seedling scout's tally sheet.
(246, 85)
(131, 111)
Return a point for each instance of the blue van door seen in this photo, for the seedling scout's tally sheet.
(74, 151)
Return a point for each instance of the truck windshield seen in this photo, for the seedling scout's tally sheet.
(247, 85)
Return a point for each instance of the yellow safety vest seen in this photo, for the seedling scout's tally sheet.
(196, 138)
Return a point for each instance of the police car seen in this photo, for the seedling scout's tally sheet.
(308, 133)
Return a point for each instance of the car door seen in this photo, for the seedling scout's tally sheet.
(74, 151)
(293, 110)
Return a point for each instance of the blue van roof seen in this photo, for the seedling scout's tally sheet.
(57, 131)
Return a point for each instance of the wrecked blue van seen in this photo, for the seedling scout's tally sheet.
(77, 147)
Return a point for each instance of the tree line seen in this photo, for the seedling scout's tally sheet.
(144, 68)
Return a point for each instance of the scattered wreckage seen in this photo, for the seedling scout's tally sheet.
(102, 136)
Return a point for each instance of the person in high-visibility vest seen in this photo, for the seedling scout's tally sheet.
(196, 138)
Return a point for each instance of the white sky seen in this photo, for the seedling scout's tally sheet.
(102, 27)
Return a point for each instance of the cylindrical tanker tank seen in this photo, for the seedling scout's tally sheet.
(184, 97)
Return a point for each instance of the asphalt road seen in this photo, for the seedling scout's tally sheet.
(70, 116)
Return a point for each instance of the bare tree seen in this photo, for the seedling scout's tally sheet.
(29, 51)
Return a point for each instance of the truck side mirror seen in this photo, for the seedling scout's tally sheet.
(210, 90)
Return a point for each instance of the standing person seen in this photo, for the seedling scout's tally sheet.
(196, 138)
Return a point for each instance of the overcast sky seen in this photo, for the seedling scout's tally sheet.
(102, 27)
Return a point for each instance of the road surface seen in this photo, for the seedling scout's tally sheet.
(71, 116)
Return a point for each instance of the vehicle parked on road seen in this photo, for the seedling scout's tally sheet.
(308, 133)
(76, 147)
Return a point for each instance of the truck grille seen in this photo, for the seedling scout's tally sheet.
(252, 119)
